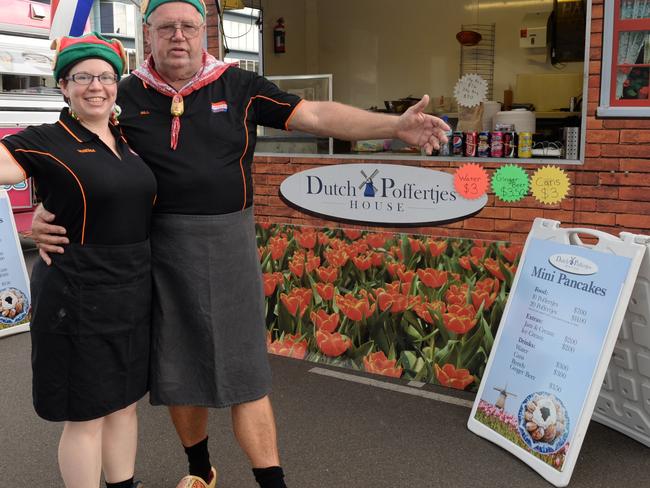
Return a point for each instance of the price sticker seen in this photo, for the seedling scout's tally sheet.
(550, 185)
(471, 181)
(510, 183)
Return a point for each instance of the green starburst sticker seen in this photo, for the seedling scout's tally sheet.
(510, 183)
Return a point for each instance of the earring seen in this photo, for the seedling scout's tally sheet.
(73, 114)
(115, 114)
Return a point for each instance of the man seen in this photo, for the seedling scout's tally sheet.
(193, 119)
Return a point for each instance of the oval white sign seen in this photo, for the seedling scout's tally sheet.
(379, 193)
(573, 264)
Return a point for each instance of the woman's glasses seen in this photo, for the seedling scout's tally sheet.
(105, 78)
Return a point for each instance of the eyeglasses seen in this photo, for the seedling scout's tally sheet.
(105, 78)
(167, 31)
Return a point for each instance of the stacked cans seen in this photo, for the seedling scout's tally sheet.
(501, 143)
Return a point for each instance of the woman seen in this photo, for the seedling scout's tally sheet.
(90, 314)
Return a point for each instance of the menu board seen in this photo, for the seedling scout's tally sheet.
(15, 302)
(549, 356)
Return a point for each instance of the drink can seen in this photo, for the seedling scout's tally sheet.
(483, 145)
(470, 144)
(457, 144)
(525, 147)
(496, 144)
(509, 145)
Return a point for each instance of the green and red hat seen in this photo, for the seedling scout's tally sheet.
(70, 50)
(148, 6)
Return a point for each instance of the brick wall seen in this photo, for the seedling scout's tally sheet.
(609, 192)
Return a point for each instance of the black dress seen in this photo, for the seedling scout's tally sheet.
(90, 323)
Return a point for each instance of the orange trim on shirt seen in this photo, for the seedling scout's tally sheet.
(81, 188)
(14, 161)
(241, 159)
(71, 133)
(286, 124)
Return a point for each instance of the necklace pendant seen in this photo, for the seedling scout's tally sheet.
(177, 106)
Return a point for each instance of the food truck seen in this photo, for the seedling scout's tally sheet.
(28, 93)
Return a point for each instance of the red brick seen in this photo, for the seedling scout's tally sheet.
(632, 193)
(596, 13)
(592, 150)
(593, 93)
(596, 191)
(626, 123)
(594, 67)
(595, 218)
(603, 136)
(594, 81)
(635, 136)
(640, 165)
(586, 178)
(479, 224)
(624, 179)
(596, 164)
(524, 214)
(626, 150)
(596, 25)
(579, 204)
(508, 225)
(637, 221)
(594, 124)
(595, 53)
(591, 108)
(623, 207)
(495, 213)
(561, 215)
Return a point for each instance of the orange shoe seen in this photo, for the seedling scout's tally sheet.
(190, 481)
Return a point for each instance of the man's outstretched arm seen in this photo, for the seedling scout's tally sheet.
(334, 119)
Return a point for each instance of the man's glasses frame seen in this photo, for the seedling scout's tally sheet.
(168, 30)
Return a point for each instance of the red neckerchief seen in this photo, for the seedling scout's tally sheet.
(211, 70)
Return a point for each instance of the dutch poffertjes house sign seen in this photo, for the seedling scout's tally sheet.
(379, 194)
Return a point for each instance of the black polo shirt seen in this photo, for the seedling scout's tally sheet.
(98, 197)
(210, 170)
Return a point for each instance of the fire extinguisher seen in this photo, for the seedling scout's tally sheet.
(278, 36)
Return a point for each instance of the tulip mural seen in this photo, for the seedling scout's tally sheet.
(411, 307)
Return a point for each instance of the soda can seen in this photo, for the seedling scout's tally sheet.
(509, 145)
(457, 144)
(484, 145)
(470, 144)
(525, 146)
(496, 144)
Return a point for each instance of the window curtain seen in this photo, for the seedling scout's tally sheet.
(631, 43)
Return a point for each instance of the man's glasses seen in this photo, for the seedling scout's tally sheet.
(106, 78)
(167, 31)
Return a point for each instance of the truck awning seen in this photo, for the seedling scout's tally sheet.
(25, 56)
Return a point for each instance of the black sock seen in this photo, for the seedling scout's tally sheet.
(122, 484)
(272, 477)
(198, 458)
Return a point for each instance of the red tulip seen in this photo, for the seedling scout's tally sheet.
(290, 346)
(449, 376)
(352, 234)
(405, 276)
(459, 319)
(377, 259)
(478, 252)
(395, 302)
(324, 321)
(306, 239)
(416, 245)
(327, 274)
(325, 290)
(393, 267)
(422, 310)
(354, 308)
(464, 262)
(297, 301)
(265, 225)
(493, 267)
(362, 262)
(488, 284)
(271, 280)
(332, 345)
(297, 266)
(336, 258)
(511, 253)
(377, 240)
(378, 363)
(278, 244)
(483, 297)
(436, 248)
(433, 278)
(312, 262)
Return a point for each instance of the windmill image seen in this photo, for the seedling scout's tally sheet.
(370, 188)
(503, 396)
